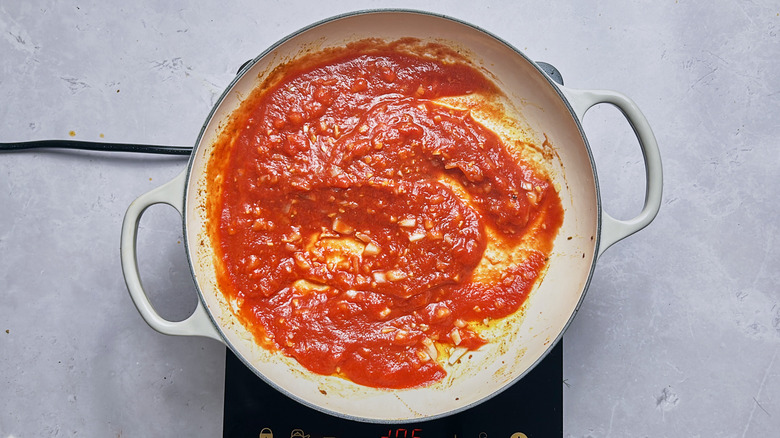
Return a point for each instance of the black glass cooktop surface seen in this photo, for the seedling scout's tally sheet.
(532, 408)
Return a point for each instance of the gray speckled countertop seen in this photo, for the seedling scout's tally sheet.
(678, 335)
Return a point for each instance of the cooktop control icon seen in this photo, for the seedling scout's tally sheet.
(298, 433)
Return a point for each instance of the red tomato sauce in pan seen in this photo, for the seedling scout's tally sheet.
(353, 209)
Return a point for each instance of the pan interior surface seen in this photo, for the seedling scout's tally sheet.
(518, 342)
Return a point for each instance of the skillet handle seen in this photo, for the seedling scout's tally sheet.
(197, 324)
(613, 230)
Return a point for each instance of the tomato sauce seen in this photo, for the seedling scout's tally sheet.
(353, 210)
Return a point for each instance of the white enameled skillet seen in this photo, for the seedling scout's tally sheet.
(548, 109)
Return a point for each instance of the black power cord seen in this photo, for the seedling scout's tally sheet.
(96, 146)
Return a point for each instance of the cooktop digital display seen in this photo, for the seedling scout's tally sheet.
(531, 408)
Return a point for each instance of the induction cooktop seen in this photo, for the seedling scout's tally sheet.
(530, 408)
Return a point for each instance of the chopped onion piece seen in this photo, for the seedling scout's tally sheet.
(408, 222)
(455, 335)
(416, 236)
(456, 354)
(395, 275)
(342, 227)
(442, 311)
(363, 237)
(430, 348)
(371, 249)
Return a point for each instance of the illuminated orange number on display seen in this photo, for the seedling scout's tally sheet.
(403, 433)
